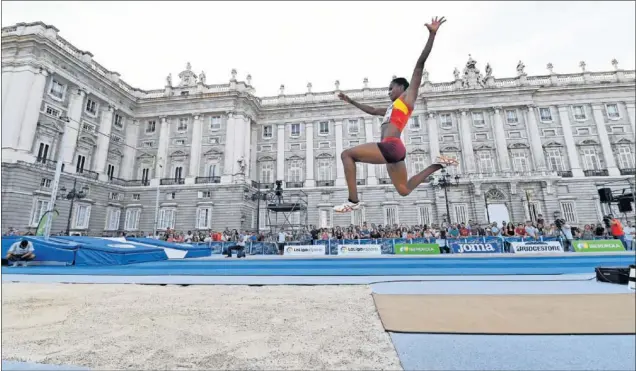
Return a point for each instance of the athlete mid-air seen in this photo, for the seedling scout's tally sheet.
(391, 150)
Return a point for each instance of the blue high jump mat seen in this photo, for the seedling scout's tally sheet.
(190, 250)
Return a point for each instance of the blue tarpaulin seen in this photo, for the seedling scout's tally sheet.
(101, 251)
(192, 251)
(45, 251)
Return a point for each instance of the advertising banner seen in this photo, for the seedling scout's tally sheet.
(304, 250)
(417, 249)
(475, 248)
(536, 247)
(359, 250)
(598, 246)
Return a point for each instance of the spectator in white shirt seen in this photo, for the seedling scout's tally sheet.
(629, 235)
(531, 230)
(20, 253)
(188, 237)
(239, 247)
(282, 237)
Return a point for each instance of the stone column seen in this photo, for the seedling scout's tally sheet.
(162, 151)
(195, 147)
(254, 152)
(69, 141)
(535, 139)
(280, 152)
(608, 153)
(7, 75)
(228, 152)
(309, 155)
(500, 141)
(103, 142)
(570, 145)
(631, 113)
(433, 136)
(368, 132)
(128, 163)
(466, 136)
(340, 177)
(247, 144)
(31, 115)
(14, 106)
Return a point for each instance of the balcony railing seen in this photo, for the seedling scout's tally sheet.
(565, 174)
(88, 174)
(384, 180)
(207, 179)
(117, 181)
(265, 186)
(600, 172)
(628, 171)
(171, 181)
(325, 183)
(294, 184)
(361, 181)
(137, 183)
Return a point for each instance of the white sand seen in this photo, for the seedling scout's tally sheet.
(195, 327)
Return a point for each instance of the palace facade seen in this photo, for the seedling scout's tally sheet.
(527, 145)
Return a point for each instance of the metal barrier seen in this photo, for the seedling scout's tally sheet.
(388, 244)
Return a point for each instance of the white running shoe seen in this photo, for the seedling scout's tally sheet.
(346, 207)
(446, 161)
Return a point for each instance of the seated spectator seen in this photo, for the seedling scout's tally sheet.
(463, 230)
(510, 230)
(587, 233)
(520, 231)
(552, 231)
(494, 230)
(600, 230)
(188, 237)
(531, 231)
(241, 241)
(20, 253)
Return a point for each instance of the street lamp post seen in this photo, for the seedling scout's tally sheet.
(56, 178)
(258, 196)
(156, 225)
(72, 195)
(445, 181)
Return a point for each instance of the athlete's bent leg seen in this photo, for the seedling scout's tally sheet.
(404, 187)
(368, 153)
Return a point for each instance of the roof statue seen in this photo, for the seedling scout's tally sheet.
(473, 78)
(188, 78)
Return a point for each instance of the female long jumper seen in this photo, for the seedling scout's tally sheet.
(391, 150)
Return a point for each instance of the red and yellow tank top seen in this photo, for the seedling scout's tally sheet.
(398, 114)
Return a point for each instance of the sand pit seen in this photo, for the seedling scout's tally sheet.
(195, 327)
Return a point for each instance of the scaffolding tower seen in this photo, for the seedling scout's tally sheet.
(287, 210)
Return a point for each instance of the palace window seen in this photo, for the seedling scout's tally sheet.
(131, 223)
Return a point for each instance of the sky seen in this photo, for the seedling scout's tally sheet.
(293, 43)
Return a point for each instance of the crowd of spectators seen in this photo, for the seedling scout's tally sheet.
(529, 230)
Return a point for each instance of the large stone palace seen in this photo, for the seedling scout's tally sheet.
(528, 145)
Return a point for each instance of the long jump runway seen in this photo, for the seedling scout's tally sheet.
(569, 274)
(257, 270)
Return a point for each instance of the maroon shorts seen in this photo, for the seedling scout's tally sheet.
(392, 149)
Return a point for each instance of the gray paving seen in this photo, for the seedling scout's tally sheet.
(28, 366)
(490, 352)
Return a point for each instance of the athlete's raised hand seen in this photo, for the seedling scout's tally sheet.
(435, 23)
(344, 97)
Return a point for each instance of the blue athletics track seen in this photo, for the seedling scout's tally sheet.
(501, 274)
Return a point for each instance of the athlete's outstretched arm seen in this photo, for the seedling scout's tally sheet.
(416, 79)
(368, 109)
